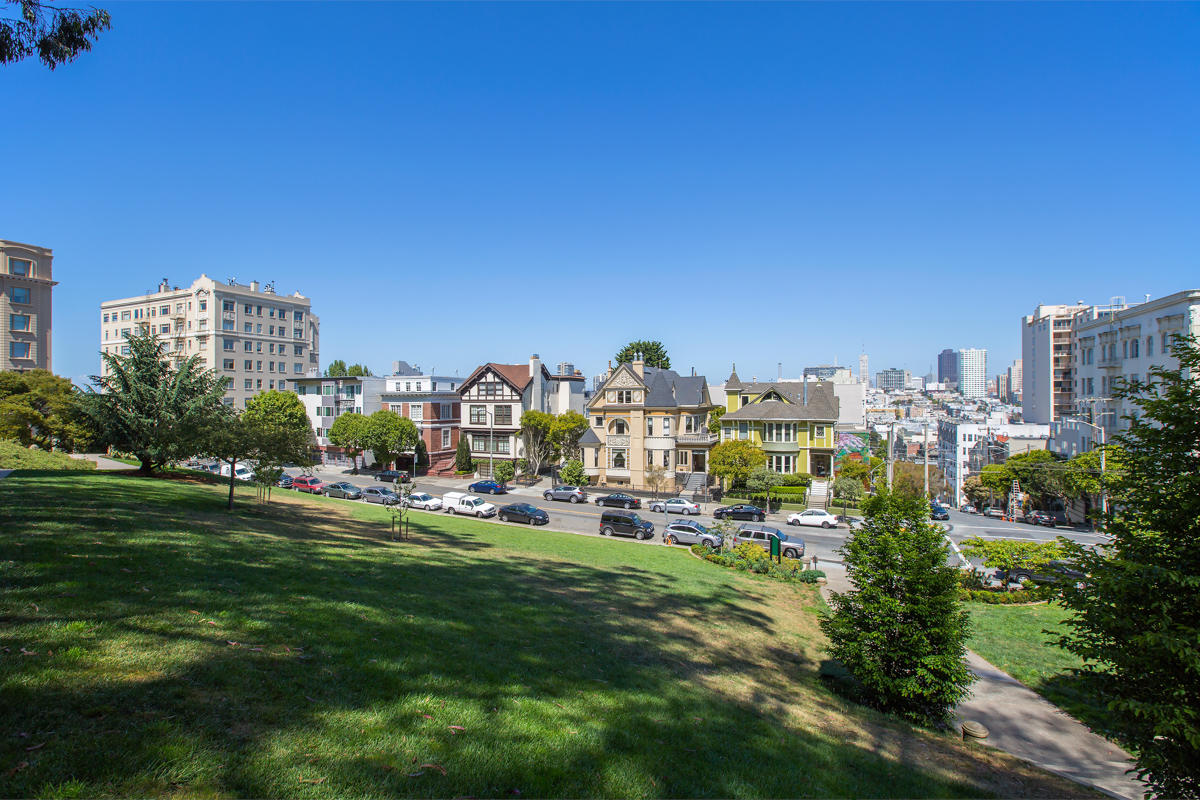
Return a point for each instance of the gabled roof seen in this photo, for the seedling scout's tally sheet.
(734, 383)
(665, 388)
(589, 437)
(516, 375)
(823, 403)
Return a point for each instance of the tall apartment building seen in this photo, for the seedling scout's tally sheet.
(1014, 378)
(1123, 342)
(825, 372)
(1047, 382)
(972, 373)
(26, 295)
(896, 380)
(864, 376)
(947, 366)
(258, 339)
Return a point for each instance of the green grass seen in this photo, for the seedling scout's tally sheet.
(14, 455)
(1014, 638)
(154, 644)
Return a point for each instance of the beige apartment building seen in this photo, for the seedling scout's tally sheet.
(260, 340)
(26, 295)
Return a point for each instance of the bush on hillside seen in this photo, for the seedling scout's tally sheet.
(14, 456)
(748, 557)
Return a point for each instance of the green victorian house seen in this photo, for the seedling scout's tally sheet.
(792, 421)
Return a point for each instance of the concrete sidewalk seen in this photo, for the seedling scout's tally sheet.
(102, 463)
(1023, 723)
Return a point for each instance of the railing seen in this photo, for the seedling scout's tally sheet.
(696, 438)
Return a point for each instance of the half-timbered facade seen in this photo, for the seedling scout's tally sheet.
(493, 398)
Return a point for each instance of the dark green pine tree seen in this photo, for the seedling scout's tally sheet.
(151, 408)
(462, 456)
(1137, 616)
(901, 632)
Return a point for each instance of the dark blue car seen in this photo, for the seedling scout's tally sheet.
(523, 512)
(487, 487)
(937, 512)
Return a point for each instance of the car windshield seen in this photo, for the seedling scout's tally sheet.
(386, 491)
(476, 502)
(636, 518)
(421, 497)
(698, 526)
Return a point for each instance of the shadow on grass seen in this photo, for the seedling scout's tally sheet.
(290, 650)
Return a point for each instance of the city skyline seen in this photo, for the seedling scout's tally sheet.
(894, 159)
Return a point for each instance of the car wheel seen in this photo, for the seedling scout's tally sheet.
(789, 553)
(627, 505)
(504, 517)
(709, 543)
(548, 496)
(672, 540)
(479, 514)
(491, 491)
(606, 531)
(326, 493)
(452, 511)
(756, 518)
(793, 522)
(825, 524)
(639, 535)
(574, 499)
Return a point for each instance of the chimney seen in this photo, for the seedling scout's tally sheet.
(639, 366)
(254, 286)
(535, 377)
(165, 286)
(805, 391)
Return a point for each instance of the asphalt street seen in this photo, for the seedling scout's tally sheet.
(584, 518)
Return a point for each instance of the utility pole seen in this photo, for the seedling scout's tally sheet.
(926, 447)
(891, 431)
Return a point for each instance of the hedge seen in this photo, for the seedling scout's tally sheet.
(747, 557)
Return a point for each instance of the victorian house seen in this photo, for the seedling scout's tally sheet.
(644, 416)
(493, 398)
(792, 421)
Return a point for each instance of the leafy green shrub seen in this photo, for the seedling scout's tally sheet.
(797, 479)
(747, 557)
(14, 456)
(1031, 594)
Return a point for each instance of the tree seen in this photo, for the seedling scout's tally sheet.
(56, 35)
(1136, 620)
(714, 420)
(359, 371)
(763, 479)
(336, 369)
(653, 353)
(1008, 555)
(733, 461)
(909, 478)
(901, 632)
(572, 474)
(848, 467)
(504, 471)
(422, 454)
(847, 487)
(1040, 473)
(1083, 478)
(565, 432)
(278, 426)
(150, 408)
(389, 435)
(974, 489)
(656, 478)
(352, 433)
(997, 478)
(227, 437)
(40, 408)
(536, 432)
(462, 456)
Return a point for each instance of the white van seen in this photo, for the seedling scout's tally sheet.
(242, 473)
(460, 503)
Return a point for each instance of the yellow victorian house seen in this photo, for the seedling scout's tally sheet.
(644, 416)
(792, 421)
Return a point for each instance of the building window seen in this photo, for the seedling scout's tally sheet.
(106, 317)
(820, 432)
(619, 427)
(1133, 348)
(271, 384)
(270, 366)
(271, 348)
(125, 350)
(20, 266)
(258, 366)
(479, 415)
(650, 426)
(301, 389)
(617, 458)
(446, 411)
(164, 329)
(479, 444)
(726, 433)
(248, 384)
(228, 305)
(596, 457)
(743, 430)
(125, 316)
(228, 344)
(666, 458)
(445, 438)
(204, 305)
(258, 347)
(649, 458)
(682, 458)
(249, 348)
(666, 426)
(1149, 347)
(298, 316)
(20, 294)
(416, 412)
(625, 396)
(298, 369)
(227, 325)
(258, 385)
(298, 350)
(1164, 348)
(503, 415)
(248, 327)
(271, 313)
(20, 322)
(270, 330)
(1125, 349)
(19, 349)
(598, 422)
(228, 363)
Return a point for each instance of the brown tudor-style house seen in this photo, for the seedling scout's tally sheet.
(493, 398)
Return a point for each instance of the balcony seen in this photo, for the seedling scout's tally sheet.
(591, 470)
(659, 442)
(696, 439)
(618, 440)
(615, 472)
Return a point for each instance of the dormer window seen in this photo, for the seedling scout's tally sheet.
(625, 396)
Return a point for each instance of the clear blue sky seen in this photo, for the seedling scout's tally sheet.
(459, 183)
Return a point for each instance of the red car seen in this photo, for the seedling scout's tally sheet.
(308, 484)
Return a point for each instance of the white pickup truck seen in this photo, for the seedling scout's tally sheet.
(460, 503)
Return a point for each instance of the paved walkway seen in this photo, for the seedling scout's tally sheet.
(1023, 723)
(103, 463)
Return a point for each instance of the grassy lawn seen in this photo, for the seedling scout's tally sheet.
(154, 644)
(1013, 638)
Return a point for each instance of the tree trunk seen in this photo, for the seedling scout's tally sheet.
(147, 467)
(232, 478)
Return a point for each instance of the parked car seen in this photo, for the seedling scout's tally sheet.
(1053, 572)
(423, 501)
(380, 495)
(308, 483)
(620, 500)
(740, 511)
(967, 508)
(459, 503)
(685, 531)
(1034, 517)
(391, 476)
(571, 493)
(346, 491)
(998, 512)
(936, 512)
(285, 482)
(523, 512)
(625, 523)
(813, 517)
(242, 473)
(487, 487)
(761, 535)
(676, 505)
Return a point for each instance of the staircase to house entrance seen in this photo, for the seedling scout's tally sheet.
(696, 481)
(818, 493)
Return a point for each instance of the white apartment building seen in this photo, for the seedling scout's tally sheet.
(972, 373)
(1046, 381)
(566, 391)
(863, 375)
(258, 339)
(956, 437)
(1123, 342)
(26, 306)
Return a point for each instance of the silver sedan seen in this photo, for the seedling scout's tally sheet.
(676, 505)
(346, 491)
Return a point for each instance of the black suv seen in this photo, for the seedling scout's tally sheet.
(625, 523)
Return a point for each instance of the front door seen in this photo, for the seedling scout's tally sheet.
(698, 460)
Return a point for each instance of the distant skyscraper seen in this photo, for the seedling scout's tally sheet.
(566, 368)
(948, 366)
(864, 375)
(972, 373)
(896, 380)
(828, 373)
